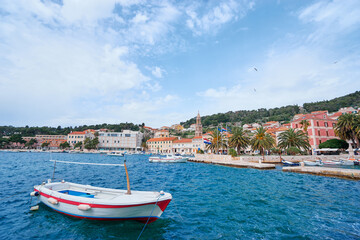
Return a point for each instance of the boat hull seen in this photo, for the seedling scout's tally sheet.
(168, 160)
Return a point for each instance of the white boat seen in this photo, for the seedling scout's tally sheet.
(329, 162)
(97, 203)
(116, 154)
(311, 163)
(169, 159)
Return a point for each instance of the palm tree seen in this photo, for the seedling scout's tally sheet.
(293, 138)
(305, 124)
(217, 142)
(262, 141)
(239, 139)
(347, 129)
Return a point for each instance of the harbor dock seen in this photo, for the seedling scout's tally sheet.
(234, 163)
(353, 174)
(270, 161)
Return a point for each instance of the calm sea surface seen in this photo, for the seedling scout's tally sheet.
(209, 202)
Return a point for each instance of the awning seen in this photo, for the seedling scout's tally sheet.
(327, 150)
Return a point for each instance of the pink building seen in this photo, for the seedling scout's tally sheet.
(321, 127)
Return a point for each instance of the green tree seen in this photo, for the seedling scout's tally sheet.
(239, 140)
(45, 144)
(64, 145)
(293, 138)
(334, 143)
(217, 142)
(4, 142)
(78, 145)
(305, 124)
(347, 126)
(262, 141)
(17, 138)
(31, 142)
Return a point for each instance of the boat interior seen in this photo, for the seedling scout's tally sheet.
(85, 191)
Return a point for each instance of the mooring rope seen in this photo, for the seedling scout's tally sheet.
(85, 163)
(13, 195)
(149, 217)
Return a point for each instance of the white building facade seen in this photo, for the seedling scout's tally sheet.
(126, 140)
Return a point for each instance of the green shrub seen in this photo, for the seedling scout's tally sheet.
(334, 143)
(293, 151)
(232, 152)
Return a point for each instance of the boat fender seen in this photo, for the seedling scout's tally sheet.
(84, 207)
(49, 180)
(63, 181)
(162, 193)
(34, 194)
(53, 201)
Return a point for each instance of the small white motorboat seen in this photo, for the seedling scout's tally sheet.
(116, 154)
(334, 163)
(97, 203)
(169, 159)
(312, 163)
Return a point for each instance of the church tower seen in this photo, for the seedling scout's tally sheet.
(198, 126)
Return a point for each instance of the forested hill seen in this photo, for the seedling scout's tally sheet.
(277, 114)
(32, 131)
(350, 100)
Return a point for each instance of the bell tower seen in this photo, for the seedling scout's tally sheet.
(198, 126)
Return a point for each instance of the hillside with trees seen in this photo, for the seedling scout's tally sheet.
(282, 114)
(350, 100)
(32, 131)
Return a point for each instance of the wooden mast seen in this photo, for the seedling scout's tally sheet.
(127, 179)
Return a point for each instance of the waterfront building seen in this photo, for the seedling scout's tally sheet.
(53, 140)
(80, 136)
(198, 126)
(198, 144)
(126, 140)
(182, 146)
(321, 127)
(160, 144)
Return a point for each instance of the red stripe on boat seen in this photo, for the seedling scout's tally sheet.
(162, 204)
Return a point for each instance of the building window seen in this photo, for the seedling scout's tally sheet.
(334, 124)
(320, 141)
(318, 132)
(326, 124)
(327, 133)
(317, 124)
(296, 126)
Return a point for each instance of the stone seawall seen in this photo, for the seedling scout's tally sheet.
(268, 159)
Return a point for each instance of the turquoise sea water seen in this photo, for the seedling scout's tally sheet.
(209, 202)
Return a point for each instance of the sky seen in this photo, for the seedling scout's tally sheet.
(76, 62)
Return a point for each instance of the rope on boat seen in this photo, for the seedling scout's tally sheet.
(149, 217)
(84, 163)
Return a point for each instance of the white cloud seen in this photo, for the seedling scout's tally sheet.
(216, 16)
(332, 17)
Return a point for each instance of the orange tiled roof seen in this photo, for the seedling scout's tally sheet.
(161, 139)
(77, 133)
(184, 140)
(198, 137)
(314, 117)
